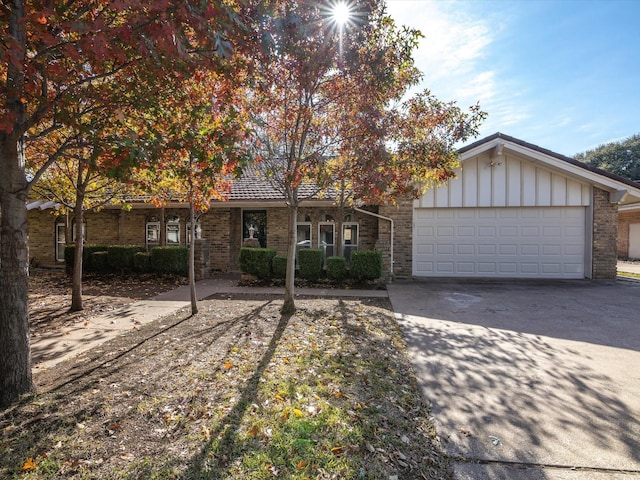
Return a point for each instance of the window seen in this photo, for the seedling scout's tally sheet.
(257, 221)
(303, 237)
(61, 236)
(173, 230)
(349, 239)
(198, 232)
(60, 239)
(326, 238)
(153, 234)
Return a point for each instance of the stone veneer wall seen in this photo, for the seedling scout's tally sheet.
(605, 235)
(624, 220)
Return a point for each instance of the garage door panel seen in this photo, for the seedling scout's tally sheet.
(542, 242)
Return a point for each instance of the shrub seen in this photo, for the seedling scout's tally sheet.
(87, 252)
(336, 268)
(142, 262)
(279, 266)
(366, 264)
(257, 261)
(121, 256)
(100, 261)
(310, 262)
(170, 260)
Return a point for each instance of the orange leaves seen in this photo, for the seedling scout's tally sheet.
(28, 465)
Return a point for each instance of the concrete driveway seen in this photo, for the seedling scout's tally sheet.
(529, 380)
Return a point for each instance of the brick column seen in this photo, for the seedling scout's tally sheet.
(605, 235)
(402, 215)
(201, 261)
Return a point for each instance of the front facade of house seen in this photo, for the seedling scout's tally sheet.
(514, 210)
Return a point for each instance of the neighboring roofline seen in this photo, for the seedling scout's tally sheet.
(596, 175)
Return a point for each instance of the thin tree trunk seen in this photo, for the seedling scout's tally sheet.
(289, 306)
(192, 261)
(76, 278)
(15, 350)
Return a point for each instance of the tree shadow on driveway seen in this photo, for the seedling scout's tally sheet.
(529, 372)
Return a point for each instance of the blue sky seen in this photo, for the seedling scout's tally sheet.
(562, 74)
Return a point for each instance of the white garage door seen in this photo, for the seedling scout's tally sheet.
(523, 242)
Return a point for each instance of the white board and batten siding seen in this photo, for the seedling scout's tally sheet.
(502, 217)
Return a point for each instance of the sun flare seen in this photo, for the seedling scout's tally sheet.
(341, 13)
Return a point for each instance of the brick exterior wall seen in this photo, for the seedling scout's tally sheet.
(624, 220)
(402, 214)
(221, 229)
(605, 236)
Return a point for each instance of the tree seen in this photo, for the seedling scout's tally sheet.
(330, 104)
(49, 53)
(76, 179)
(621, 158)
(197, 138)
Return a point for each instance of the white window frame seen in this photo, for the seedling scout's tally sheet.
(324, 246)
(172, 226)
(354, 245)
(155, 226)
(188, 232)
(310, 240)
(61, 240)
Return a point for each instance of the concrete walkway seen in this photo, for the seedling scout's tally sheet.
(47, 351)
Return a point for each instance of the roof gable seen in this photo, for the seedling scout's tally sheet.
(622, 190)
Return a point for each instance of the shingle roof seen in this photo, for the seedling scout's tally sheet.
(254, 185)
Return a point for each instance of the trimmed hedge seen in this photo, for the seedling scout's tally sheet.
(87, 252)
(257, 261)
(170, 260)
(336, 268)
(142, 262)
(121, 256)
(366, 264)
(310, 261)
(279, 266)
(100, 261)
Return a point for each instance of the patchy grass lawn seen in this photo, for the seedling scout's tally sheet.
(235, 392)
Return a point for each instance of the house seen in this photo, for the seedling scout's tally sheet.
(629, 231)
(514, 210)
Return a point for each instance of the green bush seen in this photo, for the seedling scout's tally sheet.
(336, 268)
(87, 252)
(170, 260)
(310, 262)
(366, 264)
(279, 266)
(121, 256)
(142, 262)
(100, 261)
(257, 261)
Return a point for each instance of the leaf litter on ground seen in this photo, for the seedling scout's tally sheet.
(237, 391)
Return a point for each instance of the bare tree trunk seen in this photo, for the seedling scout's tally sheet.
(289, 306)
(192, 261)
(76, 278)
(15, 350)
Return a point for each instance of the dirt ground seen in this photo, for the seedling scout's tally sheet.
(50, 295)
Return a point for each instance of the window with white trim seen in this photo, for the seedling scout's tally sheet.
(61, 240)
(153, 234)
(326, 238)
(303, 237)
(173, 230)
(349, 239)
(198, 232)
